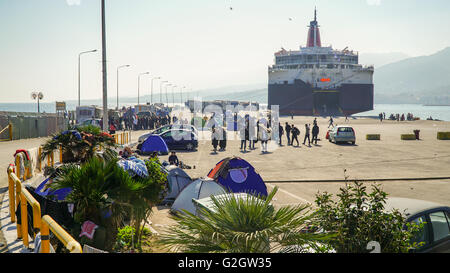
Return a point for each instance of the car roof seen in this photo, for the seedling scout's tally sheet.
(409, 207)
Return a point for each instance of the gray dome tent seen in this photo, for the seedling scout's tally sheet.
(198, 189)
(177, 180)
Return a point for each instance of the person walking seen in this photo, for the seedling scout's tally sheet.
(295, 133)
(288, 129)
(307, 131)
(331, 122)
(244, 134)
(315, 133)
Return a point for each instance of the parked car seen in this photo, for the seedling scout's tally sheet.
(167, 128)
(179, 139)
(342, 134)
(94, 122)
(436, 231)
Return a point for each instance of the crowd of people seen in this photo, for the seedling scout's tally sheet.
(252, 130)
(397, 117)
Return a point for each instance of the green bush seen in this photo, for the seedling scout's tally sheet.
(358, 217)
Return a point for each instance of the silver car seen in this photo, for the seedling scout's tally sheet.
(436, 219)
(342, 134)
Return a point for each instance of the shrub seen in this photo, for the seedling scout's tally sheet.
(359, 217)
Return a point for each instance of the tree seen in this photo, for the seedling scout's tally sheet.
(359, 217)
(237, 225)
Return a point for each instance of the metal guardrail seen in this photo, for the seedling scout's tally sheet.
(9, 127)
(69, 242)
(19, 194)
(122, 138)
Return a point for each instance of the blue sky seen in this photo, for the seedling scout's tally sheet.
(199, 44)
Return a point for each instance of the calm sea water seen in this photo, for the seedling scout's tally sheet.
(418, 110)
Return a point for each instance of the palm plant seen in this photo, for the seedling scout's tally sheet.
(237, 225)
(81, 144)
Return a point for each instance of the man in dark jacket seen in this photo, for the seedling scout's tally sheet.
(280, 132)
(288, 133)
(315, 133)
(295, 133)
(307, 130)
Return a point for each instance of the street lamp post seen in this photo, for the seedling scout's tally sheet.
(181, 94)
(123, 66)
(139, 84)
(151, 95)
(173, 96)
(167, 98)
(160, 90)
(79, 73)
(37, 96)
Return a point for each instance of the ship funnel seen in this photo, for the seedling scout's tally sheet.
(314, 33)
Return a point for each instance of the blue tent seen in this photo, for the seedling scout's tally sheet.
(154, 143)
(238, 176)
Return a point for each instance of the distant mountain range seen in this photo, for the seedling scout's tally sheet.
(380, 59)
(422, 80)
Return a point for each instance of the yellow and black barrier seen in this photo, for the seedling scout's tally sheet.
(19, 194)
(443, 135)
(122, 138)
(408, 137)
(373, 137)
(23, 197)
(68, 241)
(10, 132)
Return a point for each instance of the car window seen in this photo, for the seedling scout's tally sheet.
(440, 225)
(424, 235)
(167, 134)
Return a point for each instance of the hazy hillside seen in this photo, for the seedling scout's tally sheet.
(380, 59)
(416, 75)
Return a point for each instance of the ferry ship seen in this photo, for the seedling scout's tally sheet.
(318, 80)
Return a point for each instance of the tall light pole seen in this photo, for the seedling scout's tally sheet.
(105, 77)
(79, 72)
(181, 94)
(173, 96)
(122, 66)
(139, 84)
(37, 96)
(160, 90)
(167, 98)
(151, 95)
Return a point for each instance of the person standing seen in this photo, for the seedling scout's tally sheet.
(223, 139)
(288, 133)
(295, 133)
(315, 133)
(280, 133)
(264, 136)
(307, 131)
(214, 138)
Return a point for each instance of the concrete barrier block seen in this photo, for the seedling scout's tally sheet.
(408, 137)
(373, 137)
(443, 135)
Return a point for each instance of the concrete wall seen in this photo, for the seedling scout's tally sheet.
(31, 125)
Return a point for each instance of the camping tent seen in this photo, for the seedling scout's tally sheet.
(198, 189)
(154, 143)
(177, 180)
(237, 175)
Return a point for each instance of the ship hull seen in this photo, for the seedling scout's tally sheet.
(300, 98)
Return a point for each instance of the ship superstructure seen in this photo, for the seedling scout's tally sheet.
(317, 80)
